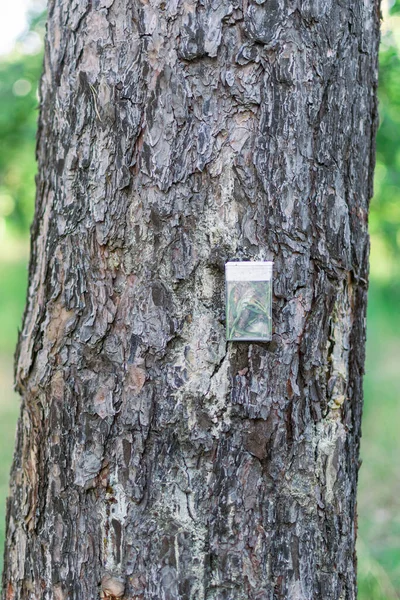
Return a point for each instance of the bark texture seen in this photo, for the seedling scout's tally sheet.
(153, 459)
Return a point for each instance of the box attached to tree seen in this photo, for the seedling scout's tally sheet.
(248, 301)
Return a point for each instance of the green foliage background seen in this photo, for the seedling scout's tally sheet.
(18, 118)
(379, 485)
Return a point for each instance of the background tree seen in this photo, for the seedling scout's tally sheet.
(152, 456)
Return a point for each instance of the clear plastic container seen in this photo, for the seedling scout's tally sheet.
(248, 301)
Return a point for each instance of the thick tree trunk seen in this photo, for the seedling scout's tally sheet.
(153, 458)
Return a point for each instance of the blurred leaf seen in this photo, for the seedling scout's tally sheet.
(395, 8)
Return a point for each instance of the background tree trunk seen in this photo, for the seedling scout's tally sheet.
(152, 457)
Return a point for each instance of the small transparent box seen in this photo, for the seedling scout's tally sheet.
(248, 301)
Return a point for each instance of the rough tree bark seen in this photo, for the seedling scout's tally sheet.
(152, 458)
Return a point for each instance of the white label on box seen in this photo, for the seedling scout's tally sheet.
(249, 271)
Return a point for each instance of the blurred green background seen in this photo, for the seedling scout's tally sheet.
(379, 486)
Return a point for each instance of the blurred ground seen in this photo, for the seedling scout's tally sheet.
(13, 276)
(379, 479)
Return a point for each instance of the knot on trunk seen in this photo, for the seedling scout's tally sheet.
(112, 586)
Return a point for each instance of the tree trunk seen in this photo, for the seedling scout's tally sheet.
(153, 459)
